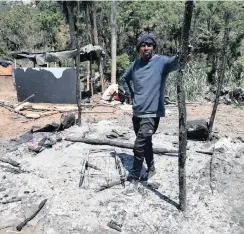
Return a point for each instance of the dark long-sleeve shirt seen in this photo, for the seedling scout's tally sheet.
(148, 79)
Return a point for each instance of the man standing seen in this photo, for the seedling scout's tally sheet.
(148, 76)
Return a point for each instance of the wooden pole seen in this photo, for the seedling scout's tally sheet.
(100, 67)
(91, 79)
(221, 73)
(88, 88)
(182, 105)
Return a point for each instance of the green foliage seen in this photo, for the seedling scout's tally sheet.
(123, 63)
(194, 82)
(20, 28)
(44, 27)
(31, 29)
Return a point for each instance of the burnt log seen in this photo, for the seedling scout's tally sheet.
(120, 144)
(197, 130)
(67, 120)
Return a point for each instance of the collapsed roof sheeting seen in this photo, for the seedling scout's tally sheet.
(86, 53)
(4, 63)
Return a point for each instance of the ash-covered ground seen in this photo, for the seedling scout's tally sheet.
(215, 189)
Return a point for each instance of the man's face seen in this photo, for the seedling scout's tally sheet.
(146, 50)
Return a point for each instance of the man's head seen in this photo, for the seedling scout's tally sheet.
(145, 45)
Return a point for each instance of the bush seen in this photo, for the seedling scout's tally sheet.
(195, 82)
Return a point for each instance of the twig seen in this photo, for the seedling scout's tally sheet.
(83, 169)
(21, 225)
(12, 200)
(31, 96)
(5, 227)
(82, 176)
(10, 161)
(92, 166)
(95, 112)
(204, 152)
(11, 109)
(120, 168)
(211, 172)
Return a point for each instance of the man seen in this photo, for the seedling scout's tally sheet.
(148, 76)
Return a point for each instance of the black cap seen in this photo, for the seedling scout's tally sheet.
(146, 38)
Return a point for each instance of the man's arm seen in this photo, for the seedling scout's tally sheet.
(125, 82)
(173, 63)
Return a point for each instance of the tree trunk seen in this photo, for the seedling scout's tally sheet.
(93, 19)
(88, 39)
(181, 103)
(221, 72)
(78, 91)
(113, 42)
(70, 6)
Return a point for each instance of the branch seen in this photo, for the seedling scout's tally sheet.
(21, 225)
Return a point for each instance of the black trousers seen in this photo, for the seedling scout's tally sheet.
(144, 129)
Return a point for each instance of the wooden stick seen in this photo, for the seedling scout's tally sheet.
(27, 99)
(92, 166)
(49, 113)
(5, 227)
(120, 144)
(97, 112)
(12, 200)
(83, 169)
(11, 109)
(10, 161)
(120, 168)
(181, 103)
(204, 152)
(21, 225)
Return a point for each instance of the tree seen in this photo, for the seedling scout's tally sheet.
(221, 71)
(93, 20)
(113, 41)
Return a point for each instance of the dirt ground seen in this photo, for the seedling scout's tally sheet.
(215, 184)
